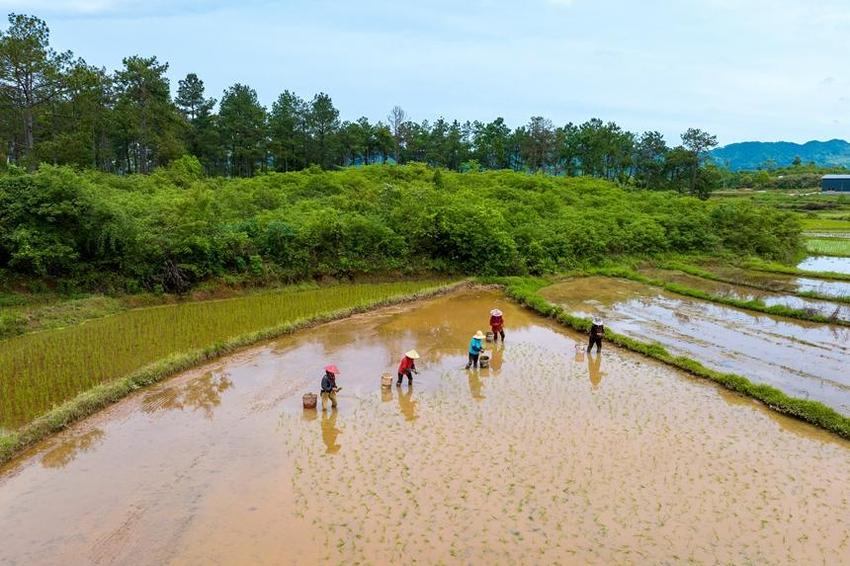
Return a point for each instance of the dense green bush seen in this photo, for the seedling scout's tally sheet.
(174, 228)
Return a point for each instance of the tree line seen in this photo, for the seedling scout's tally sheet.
(60, 110)
(176, 227)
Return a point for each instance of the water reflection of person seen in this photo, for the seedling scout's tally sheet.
(496, 358)
(330, 432)
(594, 363)
(475, 385)
(406, 404)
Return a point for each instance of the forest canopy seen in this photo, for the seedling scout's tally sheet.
(175, 227)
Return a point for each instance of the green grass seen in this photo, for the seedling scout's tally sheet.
(58, 314)
(829, 246)
(821, 224)
(42, 370)
(524, 290)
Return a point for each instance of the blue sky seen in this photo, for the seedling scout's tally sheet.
(742, 69)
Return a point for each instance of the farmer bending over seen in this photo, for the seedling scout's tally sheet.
(408, 367)
(476, 346)
(329, 388)
(497, 325)
(597, 331)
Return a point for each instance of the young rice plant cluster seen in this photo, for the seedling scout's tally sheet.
(43, 369)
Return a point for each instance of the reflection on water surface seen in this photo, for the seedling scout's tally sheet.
(546, 457)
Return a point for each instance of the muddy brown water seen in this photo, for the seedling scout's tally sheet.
(769, 298)
(550, 456)
(804, 359)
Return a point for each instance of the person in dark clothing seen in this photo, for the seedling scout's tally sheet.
(497, 325)
(597, 331)
(407, 367)
(329, 388)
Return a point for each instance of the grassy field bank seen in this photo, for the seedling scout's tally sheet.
(524, 290)
(52, 378)
(705, 274)
(774, 267)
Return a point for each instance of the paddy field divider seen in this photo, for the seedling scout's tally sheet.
(773, 267)
(702, 273)
(752, 305)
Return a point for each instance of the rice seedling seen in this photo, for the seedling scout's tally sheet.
(41, 370)
(829, 246)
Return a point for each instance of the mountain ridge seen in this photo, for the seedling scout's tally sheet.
(750, 155)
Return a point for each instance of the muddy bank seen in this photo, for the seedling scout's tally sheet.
(829, 309)
(548, 456)
(805, 360)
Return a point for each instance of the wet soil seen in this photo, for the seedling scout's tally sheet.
(824, 308)
(804, 359)
(826, 263)
(549, 456)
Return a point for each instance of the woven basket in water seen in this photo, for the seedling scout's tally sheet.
(484, 361)
(386, 380)
(309, 400)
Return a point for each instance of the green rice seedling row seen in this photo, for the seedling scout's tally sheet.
(829, 246)
(41, 370)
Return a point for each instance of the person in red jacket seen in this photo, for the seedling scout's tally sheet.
(407, 367)
(497, 324)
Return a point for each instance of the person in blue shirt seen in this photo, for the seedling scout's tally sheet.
(476, 346)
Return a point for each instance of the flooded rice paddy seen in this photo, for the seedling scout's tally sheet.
(826, 263)
(786, 283)
(549, 456)
(769, 298)
(804, 359)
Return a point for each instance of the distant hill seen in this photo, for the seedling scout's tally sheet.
(754, 155)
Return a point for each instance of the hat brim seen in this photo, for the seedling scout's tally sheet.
(413, 355)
